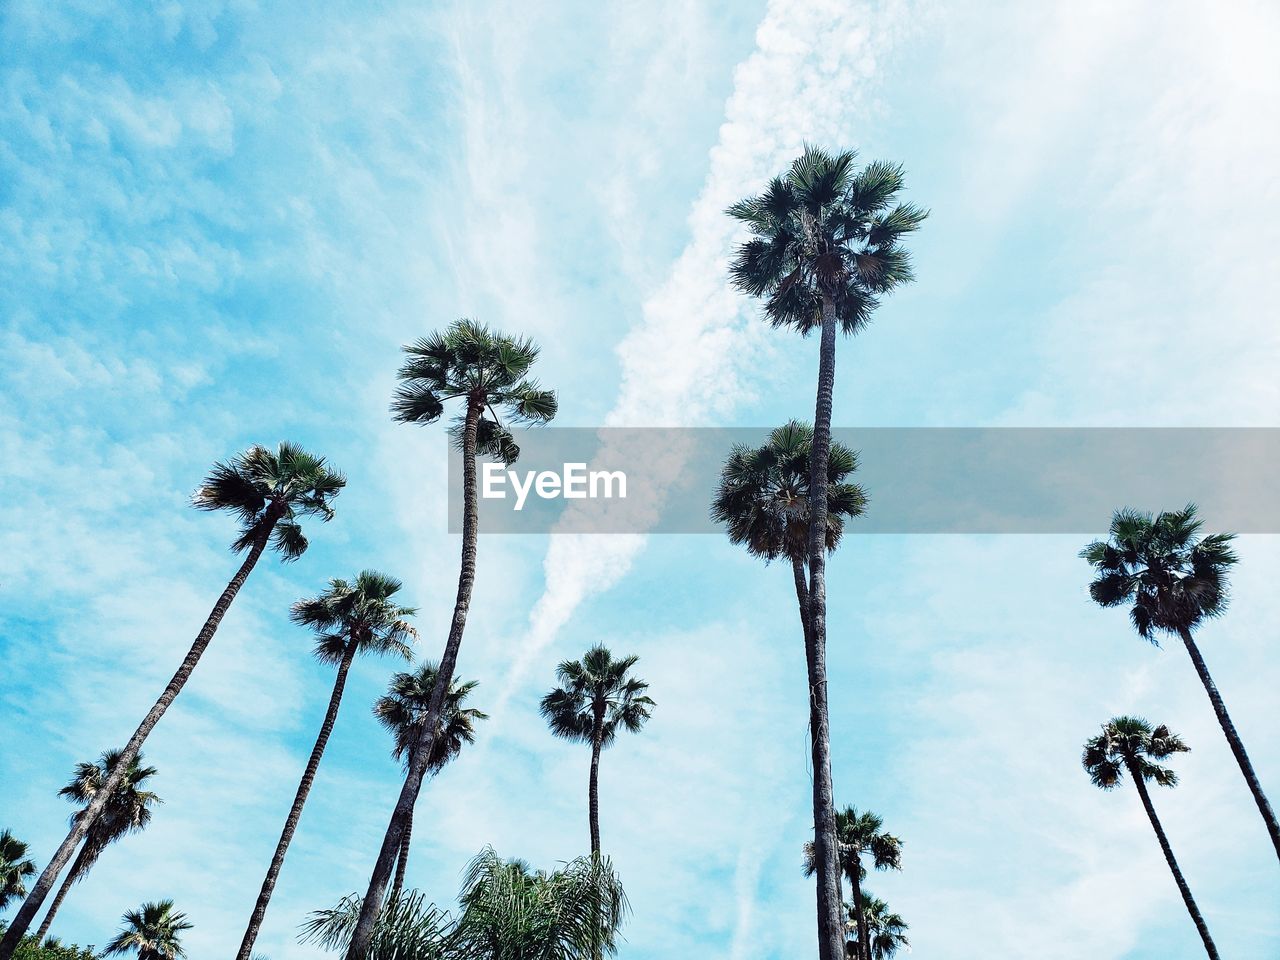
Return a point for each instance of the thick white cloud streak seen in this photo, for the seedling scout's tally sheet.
(810, 75)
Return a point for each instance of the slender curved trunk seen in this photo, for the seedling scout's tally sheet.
(402, 858)
(421, 753)
(1192, 909)
(27, 912)
(826, 852)
(593, 814)
(78, 869)
(802, 598)
(1233, 738)
(860, 915)
(299, 799)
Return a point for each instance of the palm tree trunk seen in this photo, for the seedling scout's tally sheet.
(826, 852)
(802, 598)
(1192, 909)
(593, 814)
(421, 752)
(78, 869)
(299, 799)
(1233, 738)
(402, 858)
(860, 916)
(27, 912)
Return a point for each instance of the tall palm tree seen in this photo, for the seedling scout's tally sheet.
(824, 247)
(860, 834)
(152, 932)
(509, 912)
(268, 492)
(402, 709)
(1131, 745)
(887, 932)
(1174, 579)
(595, 700)
(128, 810)
(349, 618)
(488, 372)
(15, 867)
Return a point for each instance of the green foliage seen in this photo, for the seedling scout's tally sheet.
(403, 709)
(128, 809)
(1173, 577)
(15, 867)
(362, 612)
(887, 932)
(1131, 744)
(825, 230)
(153, 932)
(763, 496)
(483, 367)
(859, 834)
(508, 912)
(51, 949)
(262, 487)
(596, 697)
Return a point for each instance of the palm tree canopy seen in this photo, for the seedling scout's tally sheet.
(596, 686)
(152, 931)
(886, 931)
(290, 480)
(469, 361)
(859, 833)
(509, 912)
(403, 708)
(763, 496)
(1173, 577)
(825, 229)
(361, 611)
(128, 809)
(15, 867)
(1133, 744)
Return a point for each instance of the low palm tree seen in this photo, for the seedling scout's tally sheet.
(128, 810)
(15, 867)
(1175, 579)
(1131, 745)
(488, 372)
(268, 491)
(508, 912)
(887, 932)
(860, 834)
(349, 618)
(595, 700)
(153, 932)
(402, 709)
(824, 246)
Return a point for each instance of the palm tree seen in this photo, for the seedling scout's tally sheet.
(268, 491)
(509, 912)
(887, 931)
(349, 618)
(595, 700)
(152, 932)
(15, 867)
(402, 709)
(860, 834)
(487, 371)
(1130, 745)
(1175, 579)
(824, 247)
(128, 810)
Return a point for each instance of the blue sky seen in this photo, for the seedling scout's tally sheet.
(218, 222)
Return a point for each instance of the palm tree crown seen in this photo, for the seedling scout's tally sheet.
(268, 491)
(596, 698)
(15, 867)
(887, 932)
(763, 496)
(858, 834)
(1131, 743)
(486, 368)
(403, 708)
(128, 809)
(152, 931)
(360, 612)
(825, 229)
(1174, 578)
